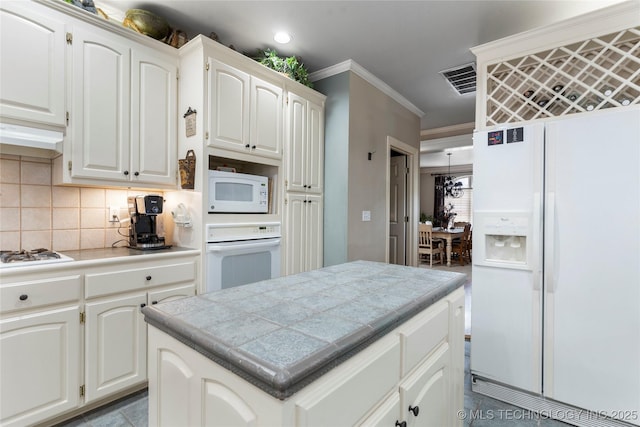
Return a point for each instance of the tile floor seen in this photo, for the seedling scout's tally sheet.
(479, 410)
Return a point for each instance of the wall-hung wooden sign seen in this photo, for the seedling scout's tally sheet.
(190, 122)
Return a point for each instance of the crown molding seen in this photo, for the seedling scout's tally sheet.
(351, 65)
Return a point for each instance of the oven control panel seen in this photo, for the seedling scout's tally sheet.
(234, 232)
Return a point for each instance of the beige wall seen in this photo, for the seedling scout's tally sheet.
(35, 214)
(373, 116)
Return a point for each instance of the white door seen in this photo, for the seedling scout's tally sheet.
(313, 227)
(33, 63)
(228, 107)
(506, 323)
(295, 233)
(398, 210)
(424, 397)
(266, 118)
(153, 112)
(100, 99)
(592, 260)
(296, 150)
(315, 148)
(116, 342)
(39, 360)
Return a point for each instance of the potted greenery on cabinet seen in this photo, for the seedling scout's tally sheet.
(291, 66)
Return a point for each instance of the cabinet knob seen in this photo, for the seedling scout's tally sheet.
(247, 146)
(415, 410)
(401, 424)
(24, 297)
(154, 302)
(148, 277)
(253, 147)
(143, 305)
(136, 173)
(126, 173)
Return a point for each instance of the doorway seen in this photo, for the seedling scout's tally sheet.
(398, 174)
(402, 205)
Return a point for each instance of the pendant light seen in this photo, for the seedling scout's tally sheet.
(452, 188)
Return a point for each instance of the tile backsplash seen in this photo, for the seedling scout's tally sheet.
(36, 214)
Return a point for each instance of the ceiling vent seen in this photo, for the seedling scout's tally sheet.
(462, 78)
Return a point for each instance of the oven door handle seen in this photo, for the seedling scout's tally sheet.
(242, 246)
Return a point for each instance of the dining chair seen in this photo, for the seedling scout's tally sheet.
(462, 248)
(427, 246)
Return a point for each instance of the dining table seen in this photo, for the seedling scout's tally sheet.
(447, 234)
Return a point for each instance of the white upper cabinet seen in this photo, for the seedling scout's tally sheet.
(305, 145)
(123, 110)
(266, 118)
(100, 106)
(32, 42)
(153, 117)
(245, 112)
(228, 107)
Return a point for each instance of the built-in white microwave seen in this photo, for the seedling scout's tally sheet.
(232, 192)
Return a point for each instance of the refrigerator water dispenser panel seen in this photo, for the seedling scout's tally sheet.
(503, 239)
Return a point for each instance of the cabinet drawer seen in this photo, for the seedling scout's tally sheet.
(138, 278)
(37, 293)
(422, 334)
(353, 389)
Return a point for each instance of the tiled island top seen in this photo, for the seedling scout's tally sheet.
(282, 334)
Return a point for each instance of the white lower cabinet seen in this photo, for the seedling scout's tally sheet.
(370, 389)
(424, 397)
(40, 359)
(115, 343)
(303, 232)
(52, 323)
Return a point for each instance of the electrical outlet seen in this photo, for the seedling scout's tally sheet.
(114, 214)
(366, 215)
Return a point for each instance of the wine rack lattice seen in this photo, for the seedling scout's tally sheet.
(594, 74)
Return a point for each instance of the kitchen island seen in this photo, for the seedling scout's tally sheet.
(358, 343)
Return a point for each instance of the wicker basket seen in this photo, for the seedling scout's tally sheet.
(187, 168)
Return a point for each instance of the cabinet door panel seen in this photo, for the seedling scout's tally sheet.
(223, 407)
(228, 106)
(39, 359)
(174, 379)
(315, 148)
(313, 230)
(153, 112)
(266, 118)
(295, 237)
(115, 345)
(100, 105)
(32, 67)
(428, 389)
(296, 143)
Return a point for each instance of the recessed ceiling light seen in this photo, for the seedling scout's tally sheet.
(282, 37)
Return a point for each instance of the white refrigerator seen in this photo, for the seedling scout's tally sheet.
(556, 267)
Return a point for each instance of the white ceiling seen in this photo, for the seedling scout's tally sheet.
(403, 43)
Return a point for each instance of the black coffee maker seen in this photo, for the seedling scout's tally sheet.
(143, 211)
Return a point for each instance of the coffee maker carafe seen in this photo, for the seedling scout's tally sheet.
(143, 211)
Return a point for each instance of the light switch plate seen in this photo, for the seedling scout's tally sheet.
(366, 215)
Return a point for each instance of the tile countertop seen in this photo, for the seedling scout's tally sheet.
(91, 258)
(282, 334)
(108, 253)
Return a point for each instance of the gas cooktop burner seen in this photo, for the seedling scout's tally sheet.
(40, 255)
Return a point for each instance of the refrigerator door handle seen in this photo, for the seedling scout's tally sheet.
(535, 253)
(550, 232)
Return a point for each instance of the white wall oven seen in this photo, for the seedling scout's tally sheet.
(238, 254)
